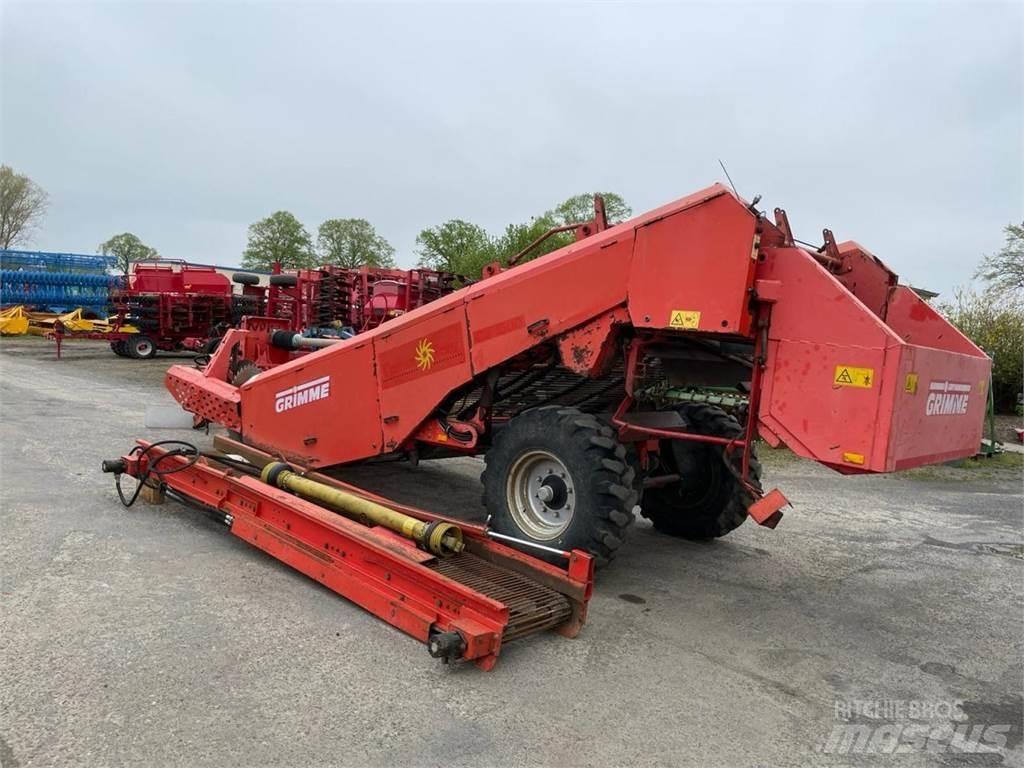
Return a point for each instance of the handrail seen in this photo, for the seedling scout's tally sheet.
(553, 231)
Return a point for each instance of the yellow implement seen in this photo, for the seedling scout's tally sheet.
(75, 321)
(18, 321)
(14, 321)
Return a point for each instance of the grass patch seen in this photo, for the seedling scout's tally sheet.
(776, 457)
(1000, 465)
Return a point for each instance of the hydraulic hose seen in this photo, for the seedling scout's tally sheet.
(116, 466)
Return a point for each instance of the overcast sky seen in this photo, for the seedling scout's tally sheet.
(898, 125)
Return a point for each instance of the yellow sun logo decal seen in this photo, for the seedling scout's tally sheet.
(424, 355)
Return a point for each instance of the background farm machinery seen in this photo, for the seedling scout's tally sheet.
(56, 282)
(192, 307)
(165, 305)
(175, 306)
(328, 298)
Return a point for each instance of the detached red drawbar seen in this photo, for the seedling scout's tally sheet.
(464, 607)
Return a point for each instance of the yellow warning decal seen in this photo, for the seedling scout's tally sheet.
(910, 385)
(853, 458)
(848, 376)
(682, 318)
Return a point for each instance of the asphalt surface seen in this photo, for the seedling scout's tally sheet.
(151, 637)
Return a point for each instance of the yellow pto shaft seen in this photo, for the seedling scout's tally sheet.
(440, 538)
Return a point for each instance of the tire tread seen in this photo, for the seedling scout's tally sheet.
(608, 474)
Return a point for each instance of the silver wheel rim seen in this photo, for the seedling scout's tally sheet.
(541, 495)
(143, 348)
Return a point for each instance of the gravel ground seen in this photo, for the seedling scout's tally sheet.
(149, 637)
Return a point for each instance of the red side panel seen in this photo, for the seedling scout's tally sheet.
(942, 391)
(314, 413)
(204, 280)
(548, 296)
(418, 365)
(846, 389)
(941, 399)
(914, 321)
(818, 330)
(154, 278)
(815, 417)
(164, 278)
(693, 270)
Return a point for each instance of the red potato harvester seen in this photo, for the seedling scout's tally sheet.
(628, 372)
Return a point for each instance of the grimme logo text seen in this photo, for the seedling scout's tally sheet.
(302, 394)
(946, 398)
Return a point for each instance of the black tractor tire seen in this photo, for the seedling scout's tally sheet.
(120, 348)
(708, 501)
(140, 347)
(286, 281)
(585, 469)
(244, 278)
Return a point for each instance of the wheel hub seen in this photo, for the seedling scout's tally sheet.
(541, 495)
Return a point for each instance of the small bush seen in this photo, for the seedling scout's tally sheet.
(996, 324)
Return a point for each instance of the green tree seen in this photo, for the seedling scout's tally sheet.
(996, 324)
(581, 208)
(22, 206)
(353, 243)
(127, 248)
(456, 246)
(1003, 272)
(278, 238)
(465, 248)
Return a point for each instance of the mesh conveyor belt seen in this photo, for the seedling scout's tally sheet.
(532, 607)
